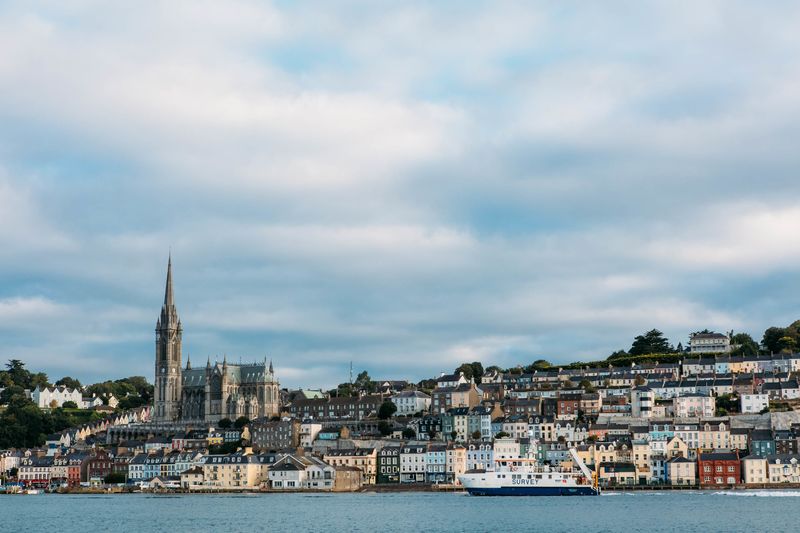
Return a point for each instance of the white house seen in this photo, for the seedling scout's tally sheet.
(46, 397)
(413, 463)
(480, 456)
(753, 403)
(709, 343)
(410, 402)
(506, 448)
(693, 405)
(308, 433)
(642, 402)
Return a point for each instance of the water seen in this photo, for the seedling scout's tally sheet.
(753, 511)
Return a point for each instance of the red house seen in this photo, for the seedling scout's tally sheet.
(98, 466)
(568, 404)
(719, 468)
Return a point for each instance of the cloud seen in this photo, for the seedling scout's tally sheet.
(402, 186)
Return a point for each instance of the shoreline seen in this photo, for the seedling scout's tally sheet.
(384, 489)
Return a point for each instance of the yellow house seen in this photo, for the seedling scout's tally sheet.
(456, 461)
(783, 469)
(754, 470)
(234, 471)
(676, 448)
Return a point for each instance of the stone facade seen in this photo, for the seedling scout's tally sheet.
(207, 394)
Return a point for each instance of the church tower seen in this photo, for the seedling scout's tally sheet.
(168, 358)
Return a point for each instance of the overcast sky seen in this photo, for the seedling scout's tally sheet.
(407, 185)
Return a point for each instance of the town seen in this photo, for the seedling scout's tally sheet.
(707, 420)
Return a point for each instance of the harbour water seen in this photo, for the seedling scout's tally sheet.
(752, 511)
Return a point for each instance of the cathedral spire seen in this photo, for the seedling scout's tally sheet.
(270, 367)
(169, 298)
(188, 361)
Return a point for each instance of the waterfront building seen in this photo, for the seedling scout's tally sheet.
(234, 471)
(480, 455)
(783, 469)
(681, 471)
(347, 479)
(456, 462)
(192, 479)
(436, 463)
(365, 459)
(35, 471)
(301, 472)
(98, 466)
(754, 470)
(389, 464)
(412, 463)
(719, 468)
(617, 473)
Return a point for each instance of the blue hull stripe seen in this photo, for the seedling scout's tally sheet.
(533, 491)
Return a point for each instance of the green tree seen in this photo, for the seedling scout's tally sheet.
(502, 435)
(225, 423)
(409, 433)
(651, 342)
(770, 342)
(364, 382)
(18, 373)
(453, 435)
(639, 381)
(476, 434)
(241, 422)
(386, 410)
(466, 369)
(539, 365)
(477, 371)
(11, 392)
(384, 427)
(69, 404)
(744, 344)
(787, 344)
(131, 402)
(586, 385)
(68, 382)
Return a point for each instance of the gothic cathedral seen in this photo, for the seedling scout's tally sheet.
(208, 394)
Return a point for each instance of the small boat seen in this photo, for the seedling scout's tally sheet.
(525, 477)
(33, 491)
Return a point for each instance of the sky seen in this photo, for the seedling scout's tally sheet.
(404, 185)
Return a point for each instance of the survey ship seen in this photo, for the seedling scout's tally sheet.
(525, 477)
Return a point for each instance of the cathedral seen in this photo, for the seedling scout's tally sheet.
(206, 395)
